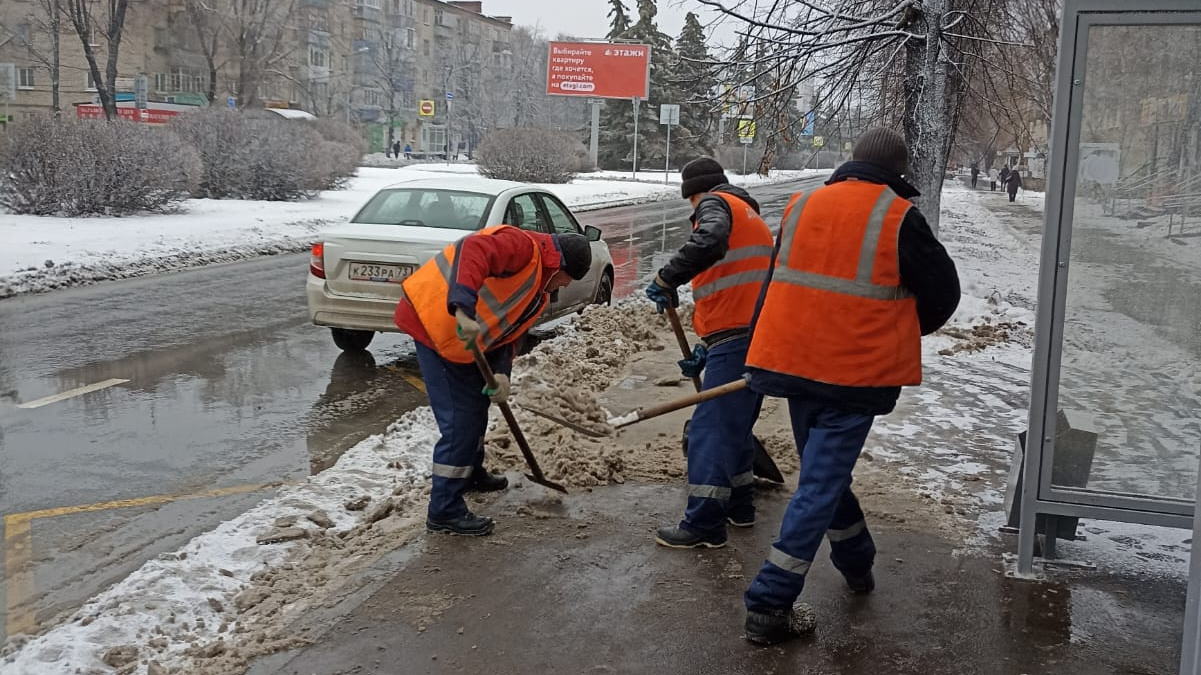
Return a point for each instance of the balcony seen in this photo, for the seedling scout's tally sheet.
(317, 38)
(370, 14)
(443, 32)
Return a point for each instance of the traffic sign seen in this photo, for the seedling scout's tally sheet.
(746, 131)
(669, 114)
(141, 91)
(232, 102)
(425, 107)
(819, 141)
(450, 96)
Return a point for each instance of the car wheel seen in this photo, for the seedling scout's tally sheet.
(352, 340)
(604, 291)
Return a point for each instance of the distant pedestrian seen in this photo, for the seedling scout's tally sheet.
(1003, 175)
(975, 173)
(396, 149)
(1013, 182)
(992, 180)
(408, 151)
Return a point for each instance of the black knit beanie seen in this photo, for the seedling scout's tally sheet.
(701, 175)
(883, 147)
(576, 253)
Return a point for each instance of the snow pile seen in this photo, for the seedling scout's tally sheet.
(224, 597)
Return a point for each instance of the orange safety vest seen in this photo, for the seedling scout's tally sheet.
(836, 310)
(726, 293)
(502, 302)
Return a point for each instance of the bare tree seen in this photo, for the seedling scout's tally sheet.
(108, 26)
(908, 61)
(254, 32)
(206, 19)
(33, 32)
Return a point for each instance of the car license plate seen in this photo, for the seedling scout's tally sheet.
(385, 273)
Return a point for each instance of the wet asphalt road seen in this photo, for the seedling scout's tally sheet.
(230, 391)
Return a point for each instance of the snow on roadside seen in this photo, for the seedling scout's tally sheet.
(45, 253)
(192, 603)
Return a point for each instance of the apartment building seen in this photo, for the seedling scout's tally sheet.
(410, 55)
(367, 61)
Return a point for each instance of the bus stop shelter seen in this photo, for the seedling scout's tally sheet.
(1115, 414)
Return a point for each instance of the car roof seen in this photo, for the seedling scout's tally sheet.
(487, 186)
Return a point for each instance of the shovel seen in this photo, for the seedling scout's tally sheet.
(764, 466)
(535, 474)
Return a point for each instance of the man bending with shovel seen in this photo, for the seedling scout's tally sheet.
(481, 293)
(727, 259)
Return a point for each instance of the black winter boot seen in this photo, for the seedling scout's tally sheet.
(469, 525)
(482, 481)
(862, 585)
(674, 536)
(780, 625)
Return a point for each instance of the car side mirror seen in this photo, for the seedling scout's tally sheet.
(592, 232)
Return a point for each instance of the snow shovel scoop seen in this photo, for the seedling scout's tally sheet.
(764, 466)
(535, 474)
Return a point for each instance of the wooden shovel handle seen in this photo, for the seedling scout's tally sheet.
(690, 400)
(682, 339)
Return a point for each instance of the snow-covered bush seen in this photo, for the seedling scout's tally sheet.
(65, 166)
(529, 155)
(252, 154)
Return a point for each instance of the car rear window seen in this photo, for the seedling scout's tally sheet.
(427, 207)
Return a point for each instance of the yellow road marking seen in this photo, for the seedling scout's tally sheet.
(416, 382)
(18, 577)
(20, 588)
(72, 393)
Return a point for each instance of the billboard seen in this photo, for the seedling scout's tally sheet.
(87, 111)
(598, 70)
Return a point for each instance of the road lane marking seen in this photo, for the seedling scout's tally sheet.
(19, 582)
(416, 382)
(18, 577)
(72, 393)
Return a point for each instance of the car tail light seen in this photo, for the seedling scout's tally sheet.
(317, 261)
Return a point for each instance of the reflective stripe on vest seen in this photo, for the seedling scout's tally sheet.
(500, 310)
(726, 293)
(505, 306)
(861, 286)
(835, 309)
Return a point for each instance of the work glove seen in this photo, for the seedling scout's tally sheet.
(662, 295)
(692, 367)
(501, 393)
(467, 328)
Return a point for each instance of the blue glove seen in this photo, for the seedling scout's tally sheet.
(692, 367)
(662, 295)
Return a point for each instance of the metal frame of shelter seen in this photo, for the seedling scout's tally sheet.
(1039, 495)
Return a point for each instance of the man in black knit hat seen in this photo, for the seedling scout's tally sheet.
(726, 259)
(857, 279)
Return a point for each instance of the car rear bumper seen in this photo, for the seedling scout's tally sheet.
(340, 311)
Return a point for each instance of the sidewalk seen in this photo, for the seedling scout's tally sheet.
(581, 588)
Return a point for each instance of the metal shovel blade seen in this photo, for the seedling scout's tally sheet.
(546, 482)
(566, 423)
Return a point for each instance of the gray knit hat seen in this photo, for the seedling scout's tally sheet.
(883, 147)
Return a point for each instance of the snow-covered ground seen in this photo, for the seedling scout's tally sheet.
(225, 596)
(43, 253)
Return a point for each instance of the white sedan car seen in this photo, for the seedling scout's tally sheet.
(356, 269)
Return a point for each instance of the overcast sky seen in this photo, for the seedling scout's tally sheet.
(589, 18)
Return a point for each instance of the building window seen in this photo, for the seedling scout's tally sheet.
(318, 58)
(439, 17)
(410, 38)
(427, 16)
(425, 47)
(91, 83)
(24, 78)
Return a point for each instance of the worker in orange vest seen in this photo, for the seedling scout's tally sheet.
(857, 279)
(726, 258)
(488, 288)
